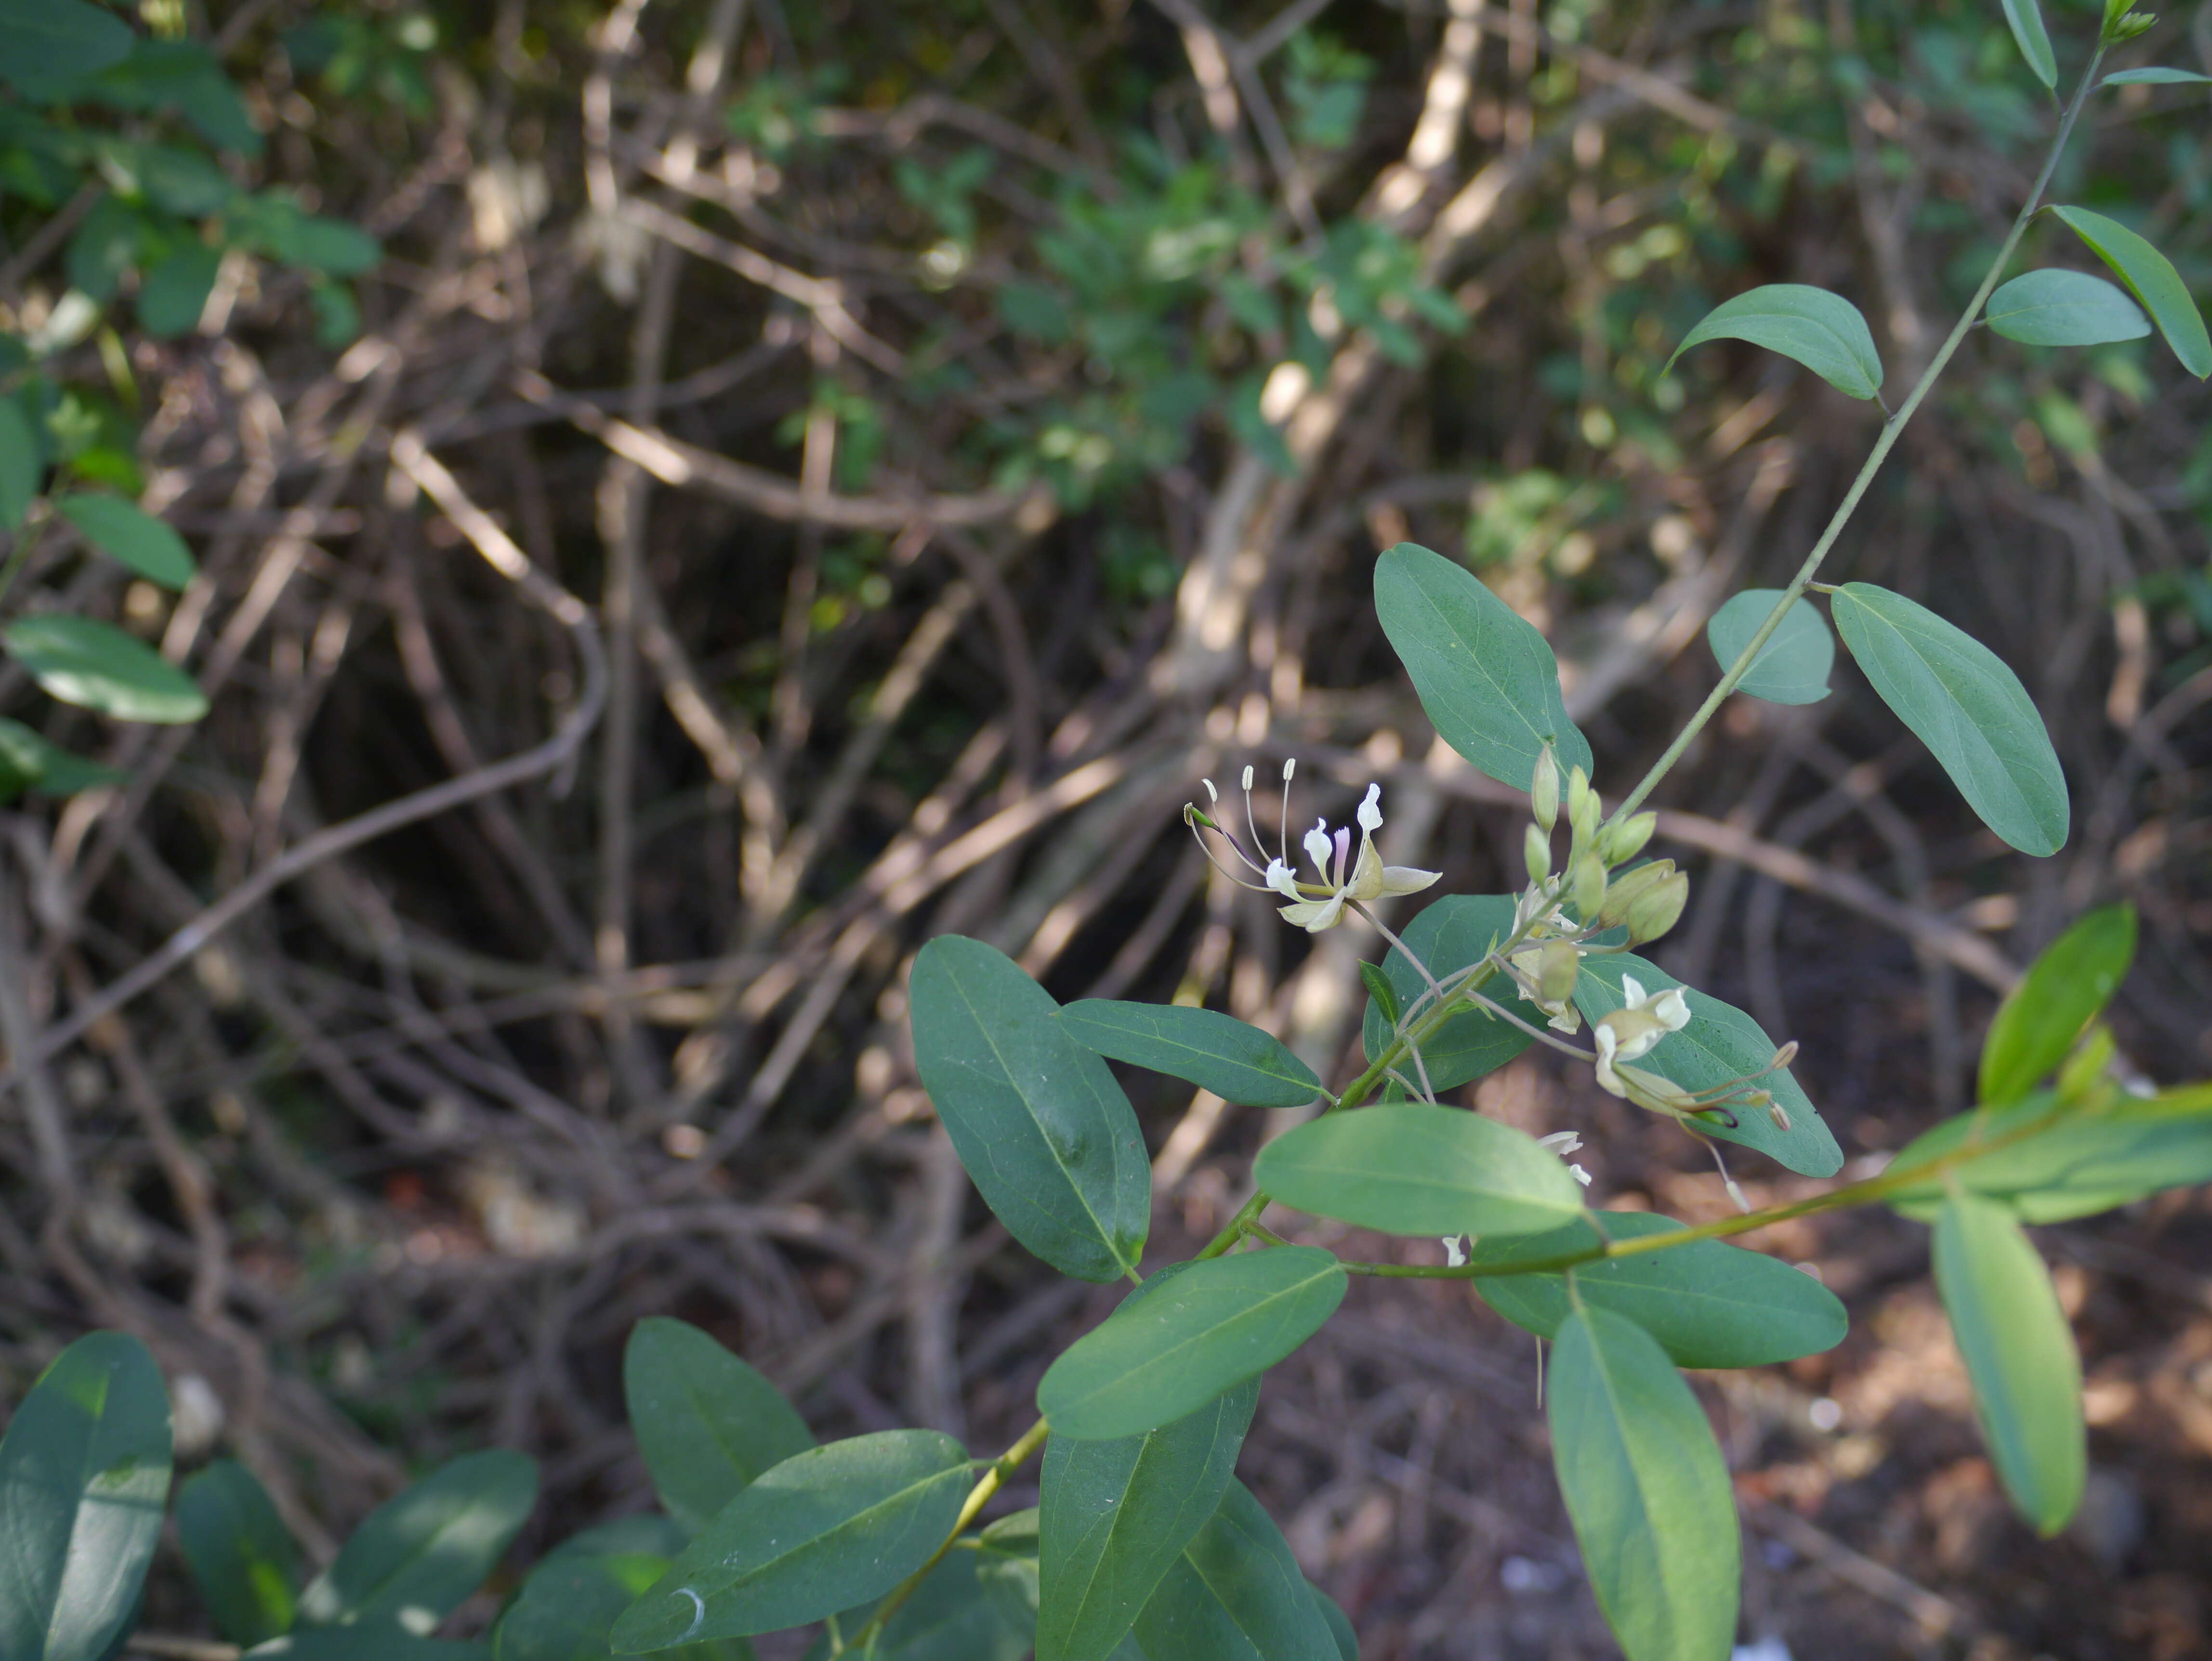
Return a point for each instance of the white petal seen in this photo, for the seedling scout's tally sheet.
(1319, 847)
(1631, 991)
(1607, 1041)
(1580, 1175)
(1608, 1079)
(1562, 1142)
(1672, 1008)
(1314, 915)
(1454, 1252)
(1371, 815)
(1281, 880)
(1404, 880)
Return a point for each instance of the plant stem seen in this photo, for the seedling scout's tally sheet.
(1890, 430)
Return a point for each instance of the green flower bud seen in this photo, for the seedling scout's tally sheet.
(1536, 849)
(1544, 789)
(1658, 908)
(2135, 23)
(1590, 885)
(1582, 801)
(1626, 840)
(1557, 967)
(1627, 887)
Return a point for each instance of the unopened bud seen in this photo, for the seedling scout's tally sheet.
(1626, 840)
(1197, 816)
(1658, 908)
(1536, 849)
(1557, 966)
(1774, 1111)
(1590, 885)
(1627, 887)
(1784, 1056)
(1582, 805)
(1544, 789)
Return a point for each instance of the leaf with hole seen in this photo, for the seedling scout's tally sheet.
(1824, 331)
(1485, 675)
(2151, 279)
(1450, 935)
(1235, 1594)
(1236, 1061)
(1793, 667)
(1646, 1489)
(1186, 1335)
(84, 1472)
(1969, 709)
(707, 1423)
(1720, 1043)
(87, 663)
(823, 1531)
(1412, 1168)
(2019, 1354)
(1047, 1135)
(2025, 18)
(1709, 1303)
(2064, 308)
(418, 1555)
(240, 1554)
(1115, 1515)
(130, 536)
(2065, 988)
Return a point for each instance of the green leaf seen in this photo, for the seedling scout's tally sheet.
(93, 666)
(2156, 77)
(183, 76)
(1710, 1304)
(1340, 1624)
(707, 1423)
(1235, 1594)
(179, 181)
(1449, 935)
(1409, 1168)
(241, 1557)
(1970, 711)
(21, 461)
(1116, 1514)
(1217, 1052)
(331, 247)
(363, 1644)
(1822, 331)
(1793, 667)
(105, 247)
(1720, 1043)
(2064, 308)
(2019, 1354)
(823, 1531)
(2151, 279)
(129, 537)
(1008, 1569)
(2025, 18)
(84, 1473)
(1187, 1334)
(29, 762)
(573, 1598)
(1646, 1489)
(2063, 990)
(416, 1556)
(175, 291)
(1051, 1142)
(1486, 677)
(2082, 1163)
(58, 37)
(951, 1618)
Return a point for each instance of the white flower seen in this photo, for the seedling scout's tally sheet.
(1454, 1252)
(1640, 1022)
(1563, 1142)
(1369, 879)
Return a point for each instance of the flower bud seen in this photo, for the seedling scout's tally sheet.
(1774, 1111)
(1557, 967)
(1582, 805)
(1658, 908)
(1536, 849)
(1544, 789)
(1626, 840)
(1626, 886)
(1590, 885)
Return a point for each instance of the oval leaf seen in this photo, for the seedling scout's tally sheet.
(1647, 1490)
(707, 1423)
(131, 538)
(1709, 1303)
(1720, 1043)
(418, 1556)
(2026, 17)
(1235, 1594)
(1486, 677)
(1047, 1135)
(29, 762)
(1409, 1168)
(1236, 1061)
(824, 1530)
(20, 463)
(2082, 1163)
(1185, 1337)
(2065, 990)
(571, 1600)
(93, 666)
(2019, 1354)
(57, 38)
(2157, 77)
(1824, 331)
(1793, 667)
(2151, 279)
(1455, 931)
(241, 1555)
(175, 291)
(1970, 711)
(1115, 1515)
(2064, 308)
(84, 1473)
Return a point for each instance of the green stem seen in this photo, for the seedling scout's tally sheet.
(1890, 430)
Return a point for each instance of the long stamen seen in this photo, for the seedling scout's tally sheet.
(1250, 823)
(1283, 830)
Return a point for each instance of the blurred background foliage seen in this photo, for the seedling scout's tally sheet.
(969, 423)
